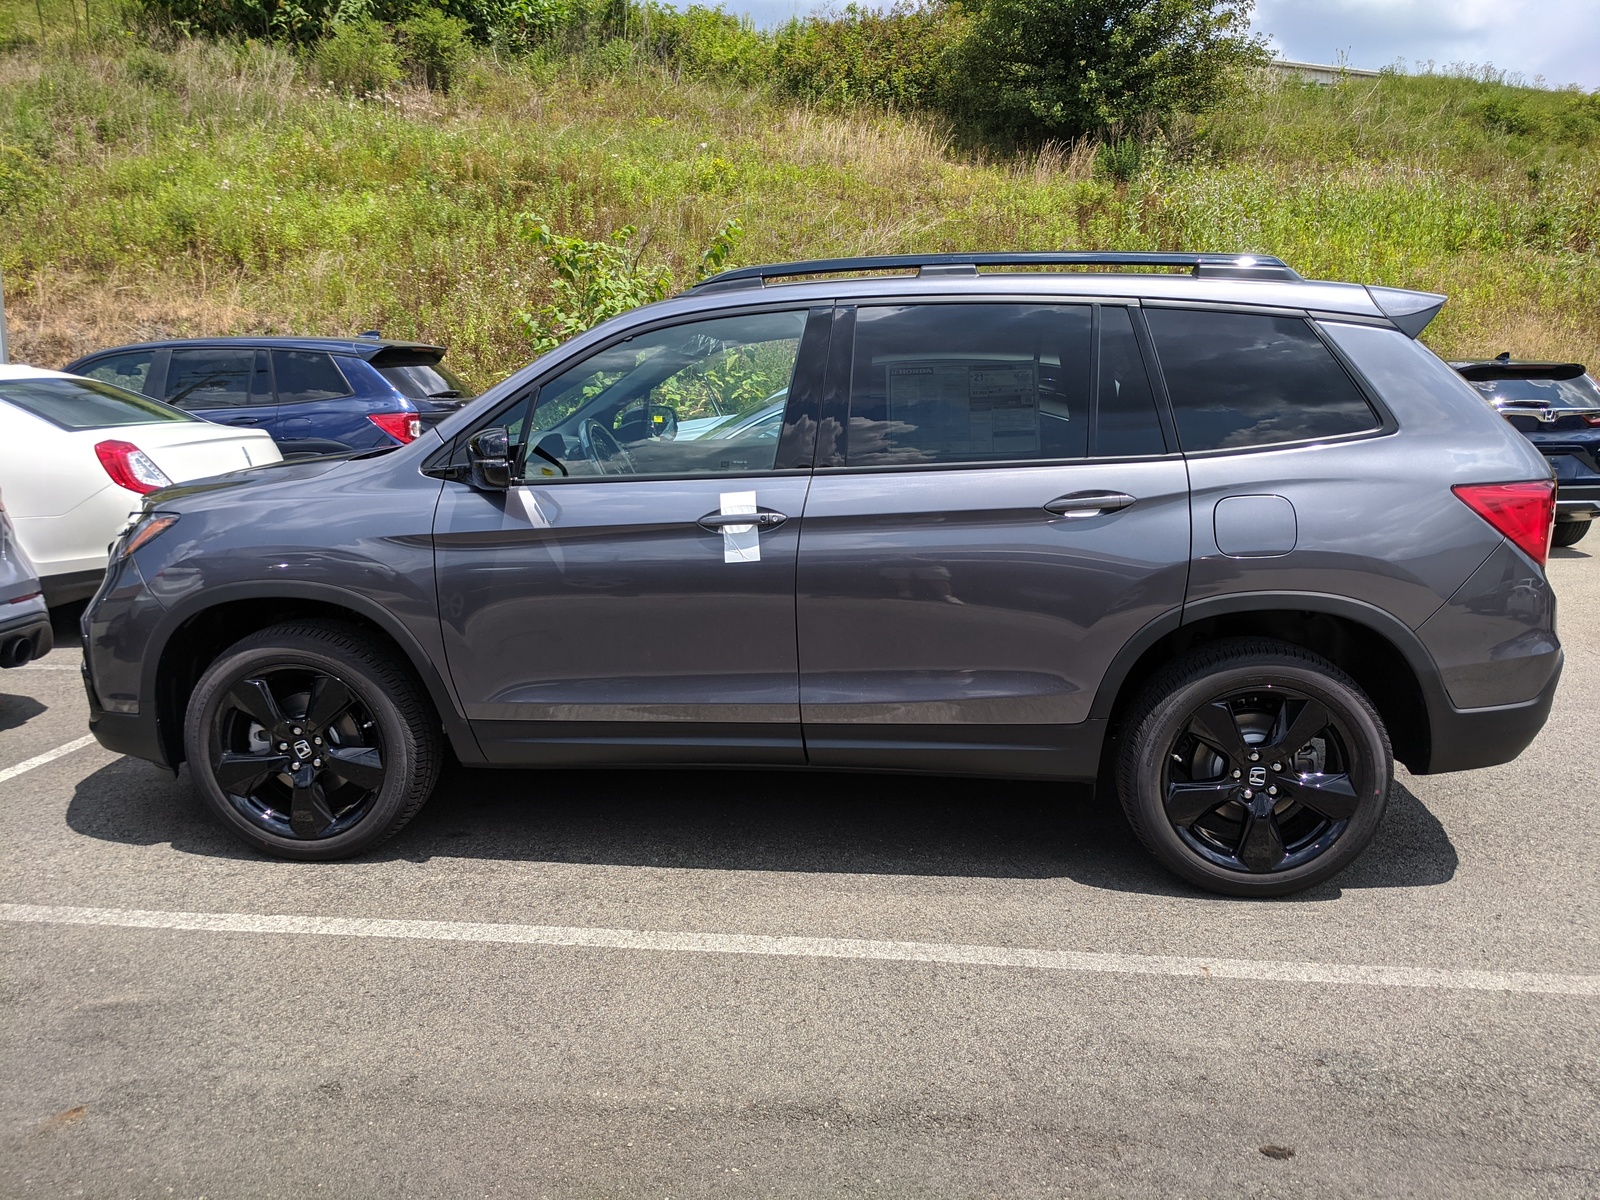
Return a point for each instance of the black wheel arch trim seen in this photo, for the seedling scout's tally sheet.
(1447, 749)
(439, 689)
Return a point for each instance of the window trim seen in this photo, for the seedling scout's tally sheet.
(1386, 426)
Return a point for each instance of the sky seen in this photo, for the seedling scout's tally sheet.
(1558, 39)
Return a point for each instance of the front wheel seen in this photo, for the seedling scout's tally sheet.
(1254, 768)
(1569, 533)
(309, 741)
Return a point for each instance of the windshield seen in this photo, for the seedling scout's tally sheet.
(86, 403)
(1581, 393)
(425, 381)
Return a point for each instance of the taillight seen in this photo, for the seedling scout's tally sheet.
(402, 426)
(1524, 512)
(130, 467)
(1591, 418)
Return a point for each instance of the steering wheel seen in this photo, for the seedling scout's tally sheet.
(600, 446)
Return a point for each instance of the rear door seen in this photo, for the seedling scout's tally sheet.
(996, 510)
(231, 385)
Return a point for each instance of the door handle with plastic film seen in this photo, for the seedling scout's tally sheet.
(764, 519)
(1078, 505)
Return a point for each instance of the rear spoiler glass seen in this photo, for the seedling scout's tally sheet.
(1410, 311)
(1483, 372)
(407, 356)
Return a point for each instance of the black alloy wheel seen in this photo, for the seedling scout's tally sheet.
(1255, 768)
(296, 753)
(311, 740)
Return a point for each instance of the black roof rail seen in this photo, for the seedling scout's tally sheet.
(1215, 266)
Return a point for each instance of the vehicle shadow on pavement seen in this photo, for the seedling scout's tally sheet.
(760, 821)
(1568, 552)
(18, 710)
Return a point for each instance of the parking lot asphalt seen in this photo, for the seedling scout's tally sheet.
(737, 984)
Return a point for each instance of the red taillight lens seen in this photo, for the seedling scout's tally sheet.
(402, 426)
(130, 467)
(1524, 512)
(1591, 419)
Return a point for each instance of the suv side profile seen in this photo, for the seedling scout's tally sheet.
(313, 395)
(1229, 539)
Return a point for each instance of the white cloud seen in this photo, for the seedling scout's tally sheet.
(1556, 39)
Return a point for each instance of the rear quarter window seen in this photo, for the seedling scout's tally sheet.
(86, 404)
(1239, 380)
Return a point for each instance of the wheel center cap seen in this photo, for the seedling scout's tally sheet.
(1258, 777)
(302, 750)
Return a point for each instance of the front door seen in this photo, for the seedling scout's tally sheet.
(632, 596)
(999, 517)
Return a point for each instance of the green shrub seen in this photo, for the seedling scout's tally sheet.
(704, 43)
(359, 59)
(149, 68)
(598, 280)
(1066, 69)
(435, 47)
(900, 58)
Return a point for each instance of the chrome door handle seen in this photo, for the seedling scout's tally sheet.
(1088, 504)
(765, 519)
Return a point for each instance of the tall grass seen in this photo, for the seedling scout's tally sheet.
(216, 188)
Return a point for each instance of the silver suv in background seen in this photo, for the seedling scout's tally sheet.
(1227, 541)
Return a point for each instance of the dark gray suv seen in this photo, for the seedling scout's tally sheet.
(1228, 538)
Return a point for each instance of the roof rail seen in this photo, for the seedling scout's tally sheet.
(1215, 266)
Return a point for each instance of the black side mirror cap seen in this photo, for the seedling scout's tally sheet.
(489, 459)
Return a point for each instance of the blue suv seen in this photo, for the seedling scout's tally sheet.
(313, 395)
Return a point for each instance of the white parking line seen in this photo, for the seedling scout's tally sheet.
(1521, 982)
(49, 756)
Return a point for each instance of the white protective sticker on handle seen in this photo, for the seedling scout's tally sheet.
(740, 543)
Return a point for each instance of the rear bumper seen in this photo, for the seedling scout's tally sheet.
(1577, 501)
(1466, 738)
(30, 624)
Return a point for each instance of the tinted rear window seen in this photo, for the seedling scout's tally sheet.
(304, 376)
(425, 381)
(86, 403)
(1240, 379)
(969, 383)
(1581, 392)
(216, 377)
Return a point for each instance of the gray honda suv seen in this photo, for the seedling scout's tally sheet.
(1226, 540)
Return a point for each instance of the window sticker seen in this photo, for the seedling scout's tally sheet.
(968, 408)
(740, 543)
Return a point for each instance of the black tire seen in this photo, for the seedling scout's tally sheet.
(1569, 533)
(1176, 759)
(252, 713)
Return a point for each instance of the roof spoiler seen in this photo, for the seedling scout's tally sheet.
(1410, 311)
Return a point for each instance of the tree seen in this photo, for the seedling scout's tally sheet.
(1065, 69)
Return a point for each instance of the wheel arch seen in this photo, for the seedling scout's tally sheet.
(1378, 651)
(193, 635)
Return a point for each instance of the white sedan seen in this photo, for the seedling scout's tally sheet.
(77, 456)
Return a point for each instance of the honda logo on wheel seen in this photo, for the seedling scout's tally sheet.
(1258, 776)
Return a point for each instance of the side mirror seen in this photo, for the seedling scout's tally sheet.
(489, 459)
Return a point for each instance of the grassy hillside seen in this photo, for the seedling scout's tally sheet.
(215, 189)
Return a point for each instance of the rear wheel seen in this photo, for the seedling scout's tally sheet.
(308, 741)
(1254, 768)
(1569, 533)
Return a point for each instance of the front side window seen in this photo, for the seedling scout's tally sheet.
(211, 378)
(1244, 379)
(85, 403)
(706, 398)
(942, 383)
(307, 375)
(127, 371)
